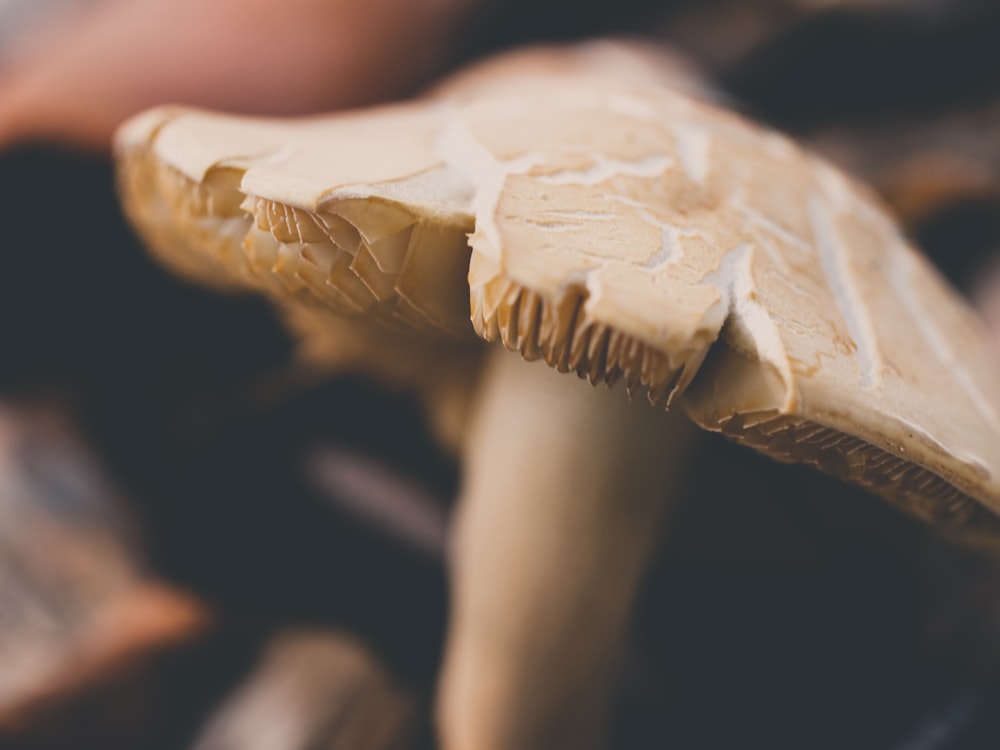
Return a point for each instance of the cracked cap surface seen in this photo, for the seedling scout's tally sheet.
(618, 229)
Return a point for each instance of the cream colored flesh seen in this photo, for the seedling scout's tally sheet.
(548, 557)
(334, 240)
(621, 231)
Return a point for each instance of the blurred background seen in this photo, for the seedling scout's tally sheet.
(206, 544)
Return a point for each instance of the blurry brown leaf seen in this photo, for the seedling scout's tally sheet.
(103, 691)
(64, 548)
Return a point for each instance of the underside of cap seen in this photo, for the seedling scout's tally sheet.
(618, 230)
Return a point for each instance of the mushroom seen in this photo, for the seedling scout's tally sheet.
(604, 223)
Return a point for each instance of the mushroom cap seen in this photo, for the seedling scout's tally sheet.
(618, 228)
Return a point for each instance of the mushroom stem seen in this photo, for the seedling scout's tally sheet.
(564, 490)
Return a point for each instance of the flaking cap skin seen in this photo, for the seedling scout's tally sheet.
(586, 207)
(617, 229)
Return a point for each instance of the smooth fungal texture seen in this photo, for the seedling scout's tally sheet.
(618, 229)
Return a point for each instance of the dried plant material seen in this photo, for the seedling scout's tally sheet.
(84, 635)
(146, 618)
(108, 688)
(313, 689)
(52, 497)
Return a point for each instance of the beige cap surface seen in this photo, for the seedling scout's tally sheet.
(619, 229)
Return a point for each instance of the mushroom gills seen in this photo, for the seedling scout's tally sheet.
(368, 257)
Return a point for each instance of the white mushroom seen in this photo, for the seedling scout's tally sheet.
(622, 231)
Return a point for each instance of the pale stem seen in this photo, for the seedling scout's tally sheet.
(563, 495)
